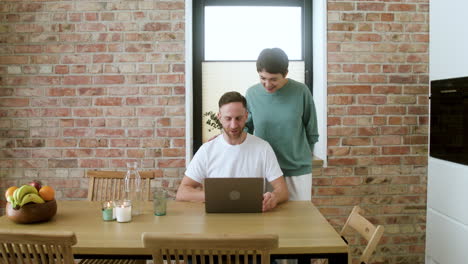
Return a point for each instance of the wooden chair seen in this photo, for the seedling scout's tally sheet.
(36, 247)
(210, 248)
(371, 233)
(108, 185)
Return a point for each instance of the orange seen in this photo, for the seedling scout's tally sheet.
(47, 193)
(10, 191)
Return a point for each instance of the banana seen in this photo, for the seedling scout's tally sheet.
(31, 197)
(11, 199)
(15, 194)
(22, 191)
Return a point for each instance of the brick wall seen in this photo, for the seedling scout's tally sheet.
(91, 85)
(378, 121)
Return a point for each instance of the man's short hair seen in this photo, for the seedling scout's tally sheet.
(273, 61)
(232, 97)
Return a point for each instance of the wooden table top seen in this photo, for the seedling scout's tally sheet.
(300, 226)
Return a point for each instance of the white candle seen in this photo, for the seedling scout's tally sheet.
(123, 212)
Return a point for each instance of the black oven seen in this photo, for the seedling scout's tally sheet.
(449, 120)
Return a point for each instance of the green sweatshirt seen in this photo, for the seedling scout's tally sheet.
(287, 120)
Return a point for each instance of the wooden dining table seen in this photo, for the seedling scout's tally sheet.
(303, 231)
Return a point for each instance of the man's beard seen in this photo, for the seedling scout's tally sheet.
(234, 136)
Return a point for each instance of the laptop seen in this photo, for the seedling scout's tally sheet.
(233, 195)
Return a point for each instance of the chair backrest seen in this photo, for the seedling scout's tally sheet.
(108, 185)
(210, 248)
(371, 233)
(36, 247)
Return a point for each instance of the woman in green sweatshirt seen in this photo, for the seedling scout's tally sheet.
(282, 112)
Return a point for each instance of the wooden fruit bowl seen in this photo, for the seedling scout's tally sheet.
(32, 213)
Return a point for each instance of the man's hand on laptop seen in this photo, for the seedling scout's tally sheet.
(269, 201)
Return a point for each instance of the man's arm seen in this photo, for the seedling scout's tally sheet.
(280, 194)
(190, 190)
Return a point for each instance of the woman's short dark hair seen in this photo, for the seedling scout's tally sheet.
(273, 61)
(232, 97)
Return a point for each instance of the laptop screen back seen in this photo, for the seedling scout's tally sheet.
(233, 195)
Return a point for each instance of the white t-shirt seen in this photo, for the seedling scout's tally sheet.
(219, 159)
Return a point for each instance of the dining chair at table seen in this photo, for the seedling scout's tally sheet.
(36, 247)
(210, 248)
(108, 185)
(366, 229)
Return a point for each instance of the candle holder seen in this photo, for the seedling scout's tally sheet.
(123, 211)
(108, 211)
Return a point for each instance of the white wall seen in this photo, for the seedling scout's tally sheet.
(448, 39)
(447, 192)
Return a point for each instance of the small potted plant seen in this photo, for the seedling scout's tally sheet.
(212, 121)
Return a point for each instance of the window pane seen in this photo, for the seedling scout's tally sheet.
(241, 32)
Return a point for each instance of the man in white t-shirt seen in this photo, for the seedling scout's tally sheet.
(234, 154)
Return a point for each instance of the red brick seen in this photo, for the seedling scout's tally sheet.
(140, 132)
(402, 7)
(87, 112)
(362, 110)
(178, 143)
(173, 152)
(91, 91)
(365, 151)
(31, 163)
(387, 160)
(349, 89)
(395, 120)
(342, 161)
(110, 132)
(150, 111)
(77, 132)
(333, 121)
(108, 101)
(132, 143)
(415, 140)
(93, 163)
(136, 153)
(14, 59)
(356, 141)
(109, 79)
(338, 151)
(395, 150)
(371, 6)
(391, 110)
(63, 163)
(77, 153)
(171, 132)
(76, 80)
(93, 143)
(109, 153)
(377, 100)
(14, 102)
(61, 142)
(340, 181)
(387, 140)
(343, 6)
(61, 92)
(171, 163)
(341, 131)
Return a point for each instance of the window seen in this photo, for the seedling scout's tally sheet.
(228, 35)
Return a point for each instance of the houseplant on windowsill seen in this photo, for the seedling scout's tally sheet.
(212, 121)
